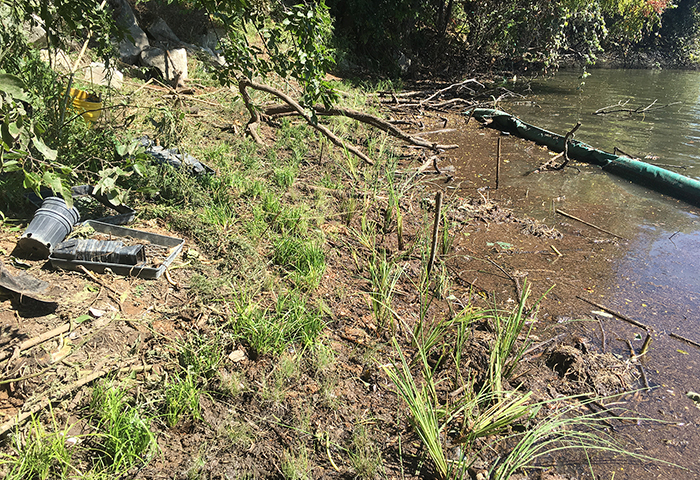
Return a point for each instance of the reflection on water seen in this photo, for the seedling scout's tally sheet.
(671, 132)
(658, 277)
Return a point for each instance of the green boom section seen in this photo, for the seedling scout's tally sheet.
(662, 180)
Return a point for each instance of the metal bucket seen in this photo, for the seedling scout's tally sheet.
(52, 222)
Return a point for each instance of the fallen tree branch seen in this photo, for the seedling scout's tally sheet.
(27, 344)
(458, 85)
(561, 212)
(551, 163)
(617, 314)
(365, 118)
(244, 83)
(683, 339)
(619, 108)
(252, 126)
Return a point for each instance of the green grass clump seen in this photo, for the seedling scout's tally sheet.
(303, 259)
(296, 464)
(182, 396)
(125, 435)
(201, 356)
(268, 331)
(365, 457)
(40, 455)
(384, 276)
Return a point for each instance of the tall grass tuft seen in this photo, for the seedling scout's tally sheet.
(505, 356)
(303, 259)
(423, 405)
(41, 455)
(271, 331)
(566, 429)
(383, 277)
(126, 436)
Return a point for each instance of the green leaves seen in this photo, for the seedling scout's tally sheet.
(48, 153)
(297, 46)
(13, 86)
(107, 185)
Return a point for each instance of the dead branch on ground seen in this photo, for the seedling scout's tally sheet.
(244, 83)
(365, 118)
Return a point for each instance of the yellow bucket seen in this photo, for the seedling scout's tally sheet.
(87, 103)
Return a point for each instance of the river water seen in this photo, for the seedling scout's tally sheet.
(656, 279)
(661, 269)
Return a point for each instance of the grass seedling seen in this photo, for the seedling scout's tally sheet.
(127, 439)
(276, 383)
(41, 455)
(365, 457)
(563, 430)
(296, 464)
(383, 277)
(303, 259)
(182, 399)
(505, 356)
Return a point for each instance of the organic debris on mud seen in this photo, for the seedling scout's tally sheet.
(489, 211)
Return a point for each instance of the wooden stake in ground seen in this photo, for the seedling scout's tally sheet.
(436, 226)
(498, 162)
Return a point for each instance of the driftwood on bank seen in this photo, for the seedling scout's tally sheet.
(245, 83)
(365, 118)
(435, 100)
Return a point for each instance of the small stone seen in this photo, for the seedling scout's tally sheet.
(237, 356)
(96, 312)
(98, 74)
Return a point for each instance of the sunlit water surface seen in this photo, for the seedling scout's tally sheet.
(659, 277)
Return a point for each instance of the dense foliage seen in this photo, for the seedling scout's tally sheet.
(540, 32)
(680, 32)
(43, 149)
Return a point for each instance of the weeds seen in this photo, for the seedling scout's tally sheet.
(504, 354)
(268, 331)
(41, 455)
(296, 464)
(383, 276)
(126, 436)
(181, 399)
(365, 457)
(303, 259)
